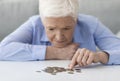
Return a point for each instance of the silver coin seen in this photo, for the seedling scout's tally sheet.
(38, 71)
(70, 72)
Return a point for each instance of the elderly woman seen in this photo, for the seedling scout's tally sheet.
(60, 32)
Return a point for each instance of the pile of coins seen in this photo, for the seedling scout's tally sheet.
(55, 70)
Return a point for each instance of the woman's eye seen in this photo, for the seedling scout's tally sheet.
(51, 29)
(66, 28)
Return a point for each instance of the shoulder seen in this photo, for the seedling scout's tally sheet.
(36, 21)
(35, 18)
(87, 22)
(87, 19)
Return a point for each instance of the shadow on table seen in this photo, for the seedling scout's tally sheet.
(96, 66)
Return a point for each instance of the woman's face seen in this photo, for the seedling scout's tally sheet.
(59, 30)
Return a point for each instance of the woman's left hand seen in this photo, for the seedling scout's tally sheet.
(85, 57)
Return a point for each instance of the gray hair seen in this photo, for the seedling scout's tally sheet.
(59, 8)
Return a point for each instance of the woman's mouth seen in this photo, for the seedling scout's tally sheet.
(59, 41)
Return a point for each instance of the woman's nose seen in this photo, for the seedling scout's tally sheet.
(59, 36)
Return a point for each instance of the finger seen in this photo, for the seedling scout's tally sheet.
(73, 61)
(85, 57)
(90, 58)
(79, 58)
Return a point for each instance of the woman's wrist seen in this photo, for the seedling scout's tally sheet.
(50, 53)
(103, 57)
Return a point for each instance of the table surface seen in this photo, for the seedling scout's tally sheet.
(26, 71)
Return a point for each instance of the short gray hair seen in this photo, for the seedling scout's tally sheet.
(59, 8)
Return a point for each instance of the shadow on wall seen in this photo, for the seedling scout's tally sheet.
(118, 34)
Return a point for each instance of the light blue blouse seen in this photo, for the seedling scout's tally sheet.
(29, 41)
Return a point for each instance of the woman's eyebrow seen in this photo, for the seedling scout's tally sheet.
(51, 26)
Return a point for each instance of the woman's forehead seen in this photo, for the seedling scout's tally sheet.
(59, 20)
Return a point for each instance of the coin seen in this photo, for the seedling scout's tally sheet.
(53, 73)
(59, 69)
(69, 69)
(70, 72)
(78, 70)
(48, 70)
(38, 71)
(55, 70)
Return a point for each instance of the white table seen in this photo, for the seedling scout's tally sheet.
(26, 71)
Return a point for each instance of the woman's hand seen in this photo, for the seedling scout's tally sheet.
(85, 57)
(65, 53)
